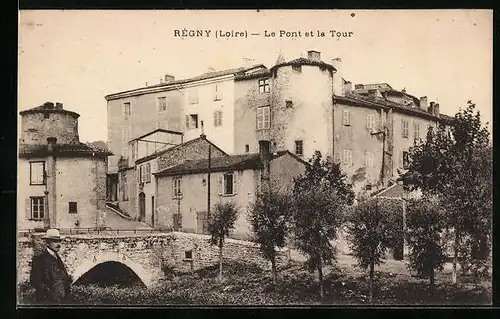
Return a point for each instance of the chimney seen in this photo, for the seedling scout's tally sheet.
(51, 143)
(423, 103)
(347, 87)
(314, 55)
(48, 105)
(169, 78)
(430, 109)
(265, 158)
(372, 93)
(436, 109)
(59, 106)
(337, 77)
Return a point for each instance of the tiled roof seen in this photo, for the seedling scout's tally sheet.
(165, 151)
(44, 108)
(256, 74)
(305, 61)
(62, 150)
(225, 163)
(446, 118)
(358, 98)
(236, 71)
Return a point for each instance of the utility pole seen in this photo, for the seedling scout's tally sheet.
(208, 179)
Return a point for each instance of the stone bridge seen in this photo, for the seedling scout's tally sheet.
(147, 255)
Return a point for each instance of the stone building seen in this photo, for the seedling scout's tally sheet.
(153, 152)
(302, 105)
(61, 182)
(185, 191)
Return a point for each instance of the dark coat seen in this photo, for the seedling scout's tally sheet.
(49, 278)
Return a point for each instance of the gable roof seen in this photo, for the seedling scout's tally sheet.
(176, 147)
(208, 75)
(221, 164)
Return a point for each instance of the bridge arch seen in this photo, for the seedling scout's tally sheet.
(97, 259)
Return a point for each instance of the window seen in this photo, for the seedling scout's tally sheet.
(299, 148)
(188, 254)
(217, 93)
(191, 121)
(405, 159)
(193, 96)
(162, 103)
(72, 207)
(347, 158)
(346, 117)
(217, 118)
(127, 109)
(370, 121)
(37, 173)
(145, 173)
(263, 118)
(404, 128)
(369, 160)
(176, 187)
(297, 68)
(37, 208)
(289, 104)
(416, 131)
(229, 181)
(264, 86)
(247, 148)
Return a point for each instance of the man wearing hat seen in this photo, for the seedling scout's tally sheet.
(48, 273)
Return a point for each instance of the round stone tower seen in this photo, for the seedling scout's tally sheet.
(301, 105)
(49, 120)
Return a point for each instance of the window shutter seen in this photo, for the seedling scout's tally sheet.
(220, 184)
(235, 183)
(27, 208)
(187, 121)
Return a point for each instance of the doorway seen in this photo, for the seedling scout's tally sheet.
(142, 207)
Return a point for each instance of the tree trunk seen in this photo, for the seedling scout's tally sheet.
(455, 257)
(275, 272)
(372, 273)
(220, 260)
(320, 277)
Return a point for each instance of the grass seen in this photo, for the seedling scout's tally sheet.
(247, 284)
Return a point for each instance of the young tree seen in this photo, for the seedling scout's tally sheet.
(425, 223)
(372, 228)
(455, 164)
(269, 216)
(220, 223)
(321, 194)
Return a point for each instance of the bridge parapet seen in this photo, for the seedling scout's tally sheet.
(148, 255)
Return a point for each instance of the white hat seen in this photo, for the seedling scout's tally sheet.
(53, 234)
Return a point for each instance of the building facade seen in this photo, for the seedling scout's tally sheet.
(236, 178)
(303, 105)
(61, 182)
(137, 186)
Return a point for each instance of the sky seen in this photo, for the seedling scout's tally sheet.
(78, 57)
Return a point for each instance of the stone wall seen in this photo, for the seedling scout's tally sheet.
(36, 128)
(195, 150)
(149, 254)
